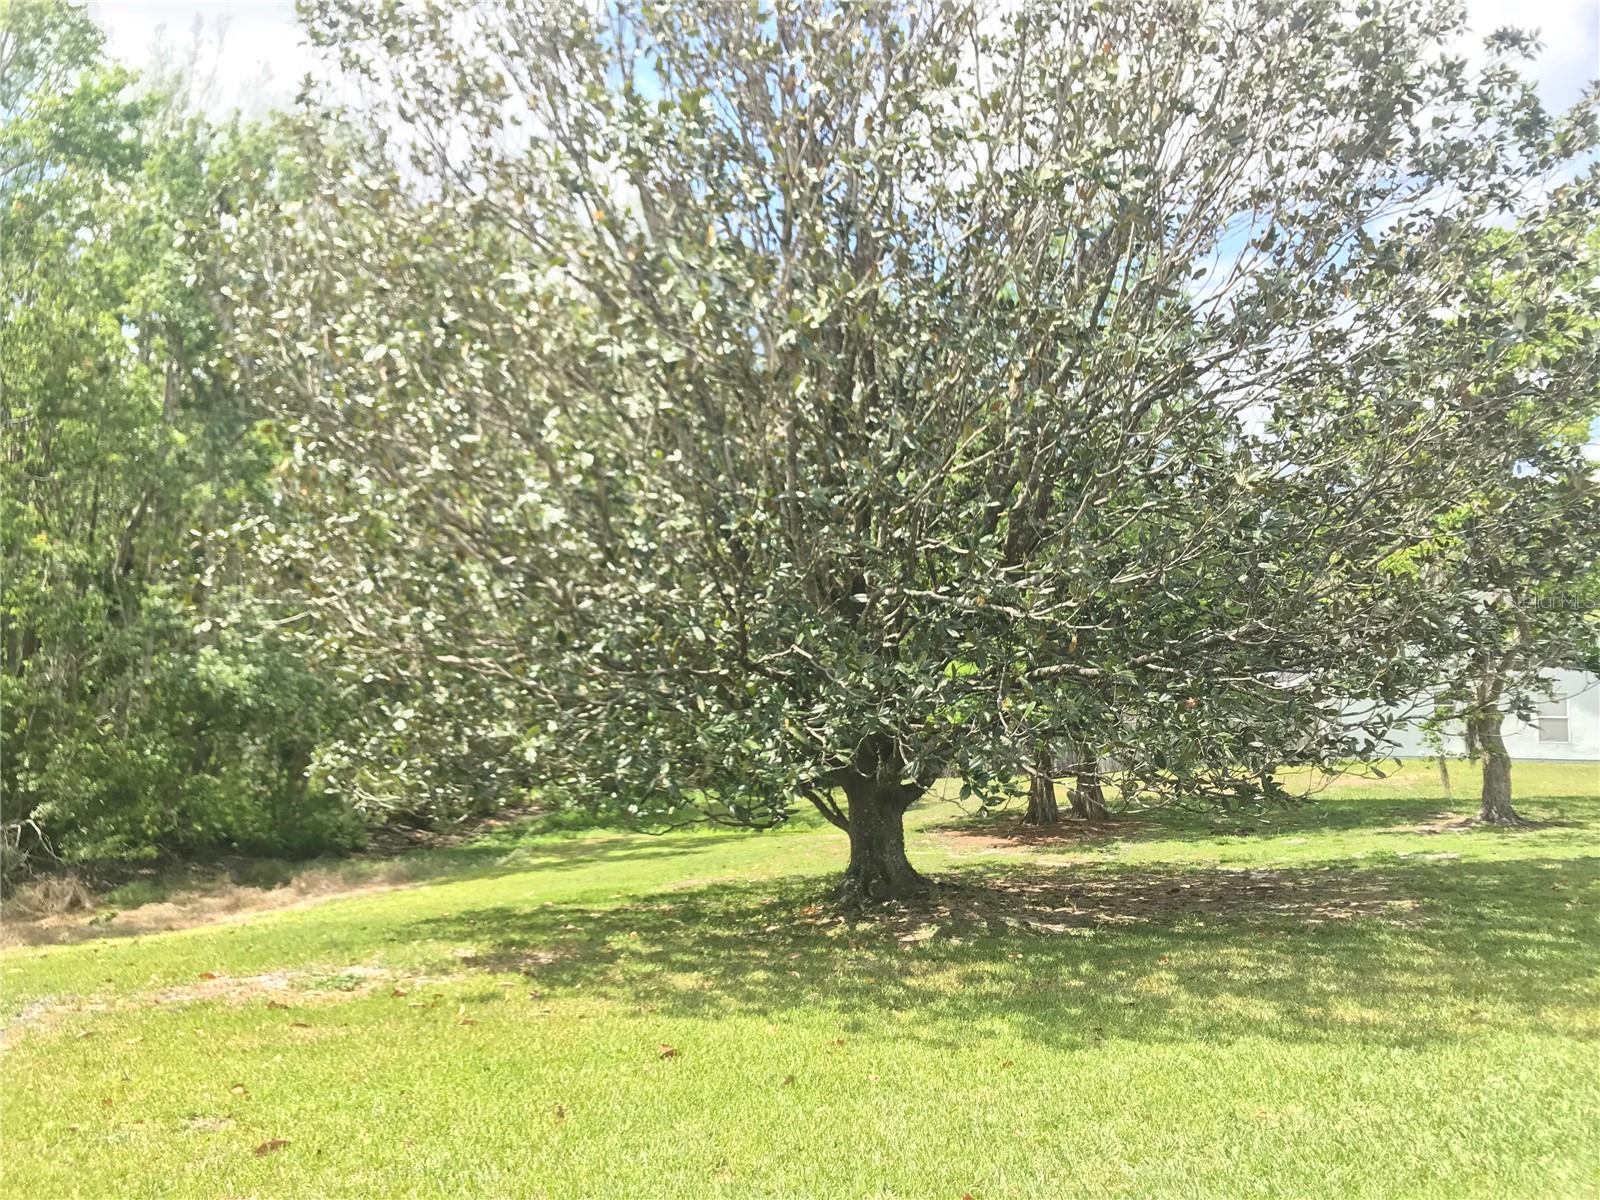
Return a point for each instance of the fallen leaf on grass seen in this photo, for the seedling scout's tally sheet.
(267, 1147)
(276, 1004)
(667, 1051)
(239, 1089)
(298, 1025)
(788, 1081)
(561, 1112)
(397, 992)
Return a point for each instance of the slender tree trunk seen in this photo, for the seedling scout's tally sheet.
(1444, 777)
(1089, 797)
(1042, 806)
(1496, 807)
(879, 868)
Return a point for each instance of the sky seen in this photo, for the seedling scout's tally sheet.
(261, 35)
(260, 57)
(259, 60)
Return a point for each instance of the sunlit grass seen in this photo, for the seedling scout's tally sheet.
(1319, 1002)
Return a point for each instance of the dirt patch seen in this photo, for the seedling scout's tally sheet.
(521, 962)
(69, 907)
(1452, 822)
(1013, 835)
(286, 990)
(51, 897)
(207, 1124)
(1441, 822)
(222, 902)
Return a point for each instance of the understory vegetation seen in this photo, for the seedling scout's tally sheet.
(1365, 997)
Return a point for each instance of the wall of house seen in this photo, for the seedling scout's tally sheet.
(1577, 695)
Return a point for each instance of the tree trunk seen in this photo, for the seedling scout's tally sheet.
(1444, 777)
(1496, 807)
(1089, 797)
(1042, 806)
(879, 868)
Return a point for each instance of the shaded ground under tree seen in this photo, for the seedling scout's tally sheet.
(1170, 951)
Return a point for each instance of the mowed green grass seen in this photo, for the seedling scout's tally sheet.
(1323, 1002)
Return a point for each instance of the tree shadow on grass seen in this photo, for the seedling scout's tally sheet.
(1403, 955)
(1317, 814)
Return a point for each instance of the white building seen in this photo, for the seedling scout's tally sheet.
(1567, 727)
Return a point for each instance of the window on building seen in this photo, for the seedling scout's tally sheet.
(1553, 721)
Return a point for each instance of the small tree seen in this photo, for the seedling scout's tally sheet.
(1529, 603)
(811, 401)
(1514, 567)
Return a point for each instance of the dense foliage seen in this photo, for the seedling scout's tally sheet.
(695, 409)
(838, 397)
(146, 702)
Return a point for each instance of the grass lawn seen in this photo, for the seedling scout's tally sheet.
(1351, 999)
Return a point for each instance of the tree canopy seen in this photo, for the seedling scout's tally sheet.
(700, 411)
(708, 408)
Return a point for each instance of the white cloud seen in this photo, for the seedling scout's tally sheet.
(252, 48)
(264, 34)
(1569, 29)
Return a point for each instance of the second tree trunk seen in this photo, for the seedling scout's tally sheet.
(1089, 797)
(1042, 806)
(1496, 806)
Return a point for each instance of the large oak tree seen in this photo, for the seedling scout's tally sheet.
(761, 403)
